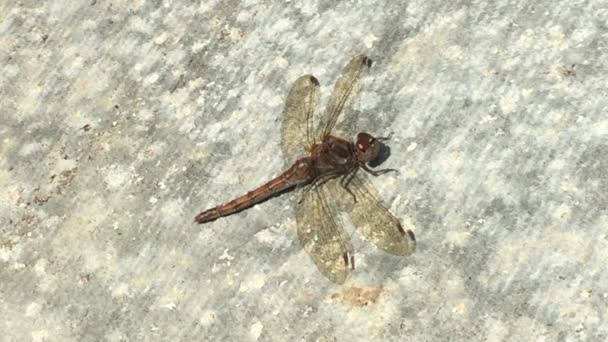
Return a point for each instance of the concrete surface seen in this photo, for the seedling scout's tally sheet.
(120, 120)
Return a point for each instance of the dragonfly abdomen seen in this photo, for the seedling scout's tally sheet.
(300, 172)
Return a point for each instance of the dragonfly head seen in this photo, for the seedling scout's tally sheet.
(367, 147)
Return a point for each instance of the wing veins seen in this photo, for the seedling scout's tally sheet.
(335, 113)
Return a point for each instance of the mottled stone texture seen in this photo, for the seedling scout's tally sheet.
(120, 120)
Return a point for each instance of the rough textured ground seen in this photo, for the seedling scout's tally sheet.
(120, 120)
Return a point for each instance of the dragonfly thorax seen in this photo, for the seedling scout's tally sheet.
(367, 147)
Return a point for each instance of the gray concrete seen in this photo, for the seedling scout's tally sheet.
(121, 120)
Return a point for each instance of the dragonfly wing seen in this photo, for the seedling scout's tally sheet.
(345, 92)
(297, 127)
(372, 218)
(322, 236)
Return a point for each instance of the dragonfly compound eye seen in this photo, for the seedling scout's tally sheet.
(367, 147)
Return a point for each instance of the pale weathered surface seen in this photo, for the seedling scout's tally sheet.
(121, 120)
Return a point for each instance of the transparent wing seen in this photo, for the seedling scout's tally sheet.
(372, 218)
(345, 92)
(297, 127)
(322, 237)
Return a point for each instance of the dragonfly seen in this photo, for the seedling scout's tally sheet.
(331, 175)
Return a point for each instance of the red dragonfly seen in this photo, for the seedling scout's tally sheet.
(326, 171)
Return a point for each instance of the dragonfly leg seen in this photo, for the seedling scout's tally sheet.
(345, 181)
(388, 137)
(376, 173)
(316, 183)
